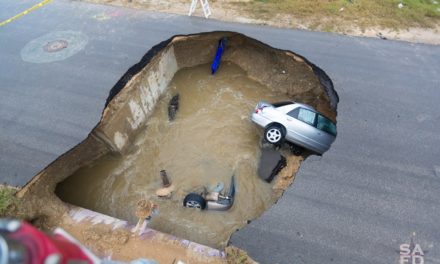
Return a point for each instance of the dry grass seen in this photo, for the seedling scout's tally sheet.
(7, 198)
(235, 255)
(328, 14)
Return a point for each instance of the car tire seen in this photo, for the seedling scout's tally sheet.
(194, 200)
(274, 134)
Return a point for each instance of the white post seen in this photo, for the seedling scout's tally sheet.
(205, 7)
(193, 7)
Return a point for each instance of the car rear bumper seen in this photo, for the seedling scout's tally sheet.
(260, 120)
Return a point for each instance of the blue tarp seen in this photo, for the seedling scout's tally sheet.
(218, 56)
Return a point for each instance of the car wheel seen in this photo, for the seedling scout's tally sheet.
(194, 200)
(274, 134)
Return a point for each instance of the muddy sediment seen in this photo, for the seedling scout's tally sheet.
(135, 106)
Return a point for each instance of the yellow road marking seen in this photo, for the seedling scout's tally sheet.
(27, 11)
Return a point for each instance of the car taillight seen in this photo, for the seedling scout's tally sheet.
(258, 110)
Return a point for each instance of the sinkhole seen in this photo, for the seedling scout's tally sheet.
(209, 139)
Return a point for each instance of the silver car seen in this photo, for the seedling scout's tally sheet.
(297, 123)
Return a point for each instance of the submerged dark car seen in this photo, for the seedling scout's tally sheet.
(211, 200)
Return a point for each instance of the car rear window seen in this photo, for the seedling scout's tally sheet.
(326, 125)
(279, 104)
(307, 116)
(304, 115)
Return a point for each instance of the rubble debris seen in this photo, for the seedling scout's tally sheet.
(271, 163)
(165, 192)
(165, 181)
(168, 188)
(381, 36)
(295, 149)
(280, 165)
(144, 211)
(287, 175)
(173, 106)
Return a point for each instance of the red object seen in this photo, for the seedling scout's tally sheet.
(40, 246)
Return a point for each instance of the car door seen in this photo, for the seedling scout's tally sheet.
(301, 129)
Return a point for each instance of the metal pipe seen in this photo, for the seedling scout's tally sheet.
(165, 180)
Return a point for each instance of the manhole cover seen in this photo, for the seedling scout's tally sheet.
(56, 45)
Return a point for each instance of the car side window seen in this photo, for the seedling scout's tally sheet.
(294, 113)
(304, 115)
(326, 125)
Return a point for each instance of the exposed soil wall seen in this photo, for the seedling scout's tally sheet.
(140, 88)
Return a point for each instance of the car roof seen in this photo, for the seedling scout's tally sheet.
(305, 106)
(293, 103)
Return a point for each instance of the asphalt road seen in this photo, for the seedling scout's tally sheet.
(378, 186)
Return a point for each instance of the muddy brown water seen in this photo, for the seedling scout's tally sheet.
(211, 139)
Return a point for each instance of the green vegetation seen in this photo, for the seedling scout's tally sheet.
(7, 198)
(237, 256)
(363, 13)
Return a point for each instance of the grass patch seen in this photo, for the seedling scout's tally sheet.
(362, 13)
(7, 198)
(237, 256)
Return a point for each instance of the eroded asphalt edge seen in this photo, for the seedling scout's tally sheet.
(374, 188)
